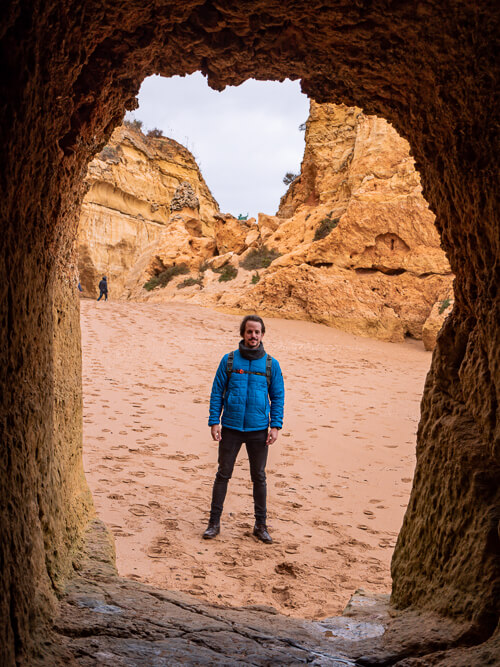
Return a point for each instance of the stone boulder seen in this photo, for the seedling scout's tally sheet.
(181, 242)
(231, 234)
(378, 306)
(268, 224)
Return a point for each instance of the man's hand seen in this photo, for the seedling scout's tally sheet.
(272, 436)
(215, 430)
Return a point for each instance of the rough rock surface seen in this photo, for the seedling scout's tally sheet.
(134, 184)
(181, 242)
(359, 248)
(108, 620)
(375, 305)
(184, 197)
(233, 235)
(71, 72)
(434, 323)
(357, 225)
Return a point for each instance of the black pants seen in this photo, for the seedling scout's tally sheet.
(229, 446)
(103, 294)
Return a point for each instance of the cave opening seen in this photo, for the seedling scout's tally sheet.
(69, 83)
(149, 534)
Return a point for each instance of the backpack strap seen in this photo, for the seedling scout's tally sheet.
(269, 362)
(229, 368)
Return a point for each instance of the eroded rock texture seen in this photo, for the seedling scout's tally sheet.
(356, 240)
(134, 183)
(70, 69)
(358, 245)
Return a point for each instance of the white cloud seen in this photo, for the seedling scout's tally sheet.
(245, 138)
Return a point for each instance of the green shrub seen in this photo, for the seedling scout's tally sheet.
(110, 154)
(259, 259)
(289, 177)
(227, 272)
(444, 305)
(325, 227)
(255, 278)
(203, 266)
(133, 124)
(155, 133)
(188, 282)
(164, 277)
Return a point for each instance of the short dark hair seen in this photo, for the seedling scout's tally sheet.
(251, 318)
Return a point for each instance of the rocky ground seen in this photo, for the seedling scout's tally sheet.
(111, 621)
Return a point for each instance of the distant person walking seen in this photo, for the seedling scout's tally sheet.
(248, 389)
(103, 289)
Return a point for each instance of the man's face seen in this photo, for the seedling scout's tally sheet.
(253, 334)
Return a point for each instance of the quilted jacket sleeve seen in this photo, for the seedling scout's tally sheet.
(217, 395)
(277, 395)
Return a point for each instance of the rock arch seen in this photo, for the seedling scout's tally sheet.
(70, 70)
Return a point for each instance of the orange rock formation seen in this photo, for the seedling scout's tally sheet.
(358, 245)
(132, 183)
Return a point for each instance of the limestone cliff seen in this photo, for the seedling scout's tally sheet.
(132, 184)
(358, 245)
(354, 241)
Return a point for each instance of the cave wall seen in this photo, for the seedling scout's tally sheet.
(69, 71)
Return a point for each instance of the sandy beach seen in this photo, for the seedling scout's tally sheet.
(339, 475)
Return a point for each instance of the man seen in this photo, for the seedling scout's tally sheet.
(103, 289)
(248, 389)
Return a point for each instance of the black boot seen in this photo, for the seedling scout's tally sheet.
(213, 529)
(260, 532)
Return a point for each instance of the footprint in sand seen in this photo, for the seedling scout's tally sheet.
(118, 531)
(160, 548)
(138, 510)
(182, 457)
(289, 569)
(291, 548)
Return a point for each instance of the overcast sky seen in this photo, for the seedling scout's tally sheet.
(244, 139)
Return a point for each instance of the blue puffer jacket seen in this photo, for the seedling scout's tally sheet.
(246, 401)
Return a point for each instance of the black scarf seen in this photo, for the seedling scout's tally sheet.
(251, 353)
